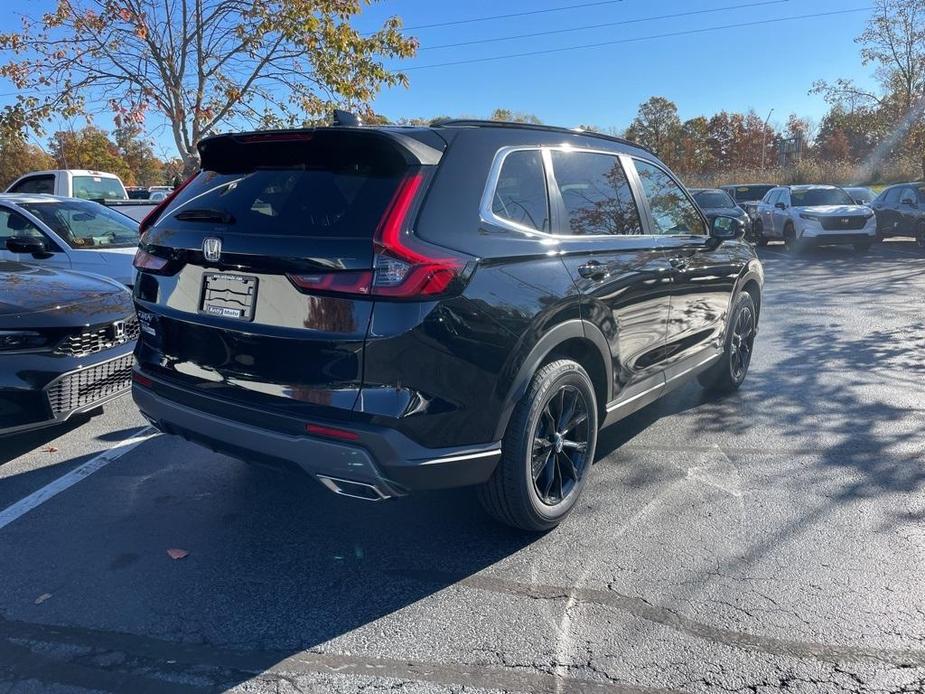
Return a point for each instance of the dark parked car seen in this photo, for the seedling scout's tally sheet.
(66, 341)
(397, 309)
(862, 195)
(747, 196)
(901, 211)
(717, 203)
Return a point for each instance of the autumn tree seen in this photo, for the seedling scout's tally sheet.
(89, 148)
(18, 157)
(138, 154)
(657, 126)
(506, 114)
(200, 65)
(694, 153)
(893, 43)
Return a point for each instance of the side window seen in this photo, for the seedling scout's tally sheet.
(909, 193)
(14, 224)
(784, 197)
(596, 194)
(35, 184)
(771, 197)
(672, 212)
(520, 193)
(891, 196)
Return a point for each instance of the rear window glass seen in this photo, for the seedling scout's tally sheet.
(596, 194)
(749, 193)
(35, 184)
(98, 188)
(520, 194)
(713, 199)
(295, 189)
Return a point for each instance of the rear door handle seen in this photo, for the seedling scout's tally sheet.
(592, 270)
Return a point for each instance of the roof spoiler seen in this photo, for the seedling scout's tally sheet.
(415, 152)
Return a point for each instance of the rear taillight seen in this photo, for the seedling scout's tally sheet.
(153, 215)
(344, 282)
(155, 264)
(403, 266)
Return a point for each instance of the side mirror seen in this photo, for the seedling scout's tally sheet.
(27, 244)
(908, 201)
(727, 228)
(780, 205)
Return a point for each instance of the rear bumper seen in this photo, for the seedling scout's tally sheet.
(382, 460)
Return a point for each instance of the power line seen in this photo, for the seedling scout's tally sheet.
(512, 14)
(633, 40)
(606, 24)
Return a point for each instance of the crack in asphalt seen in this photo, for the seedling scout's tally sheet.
(121, 662)
(639, 607)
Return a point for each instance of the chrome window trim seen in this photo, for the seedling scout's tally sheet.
(487, 215)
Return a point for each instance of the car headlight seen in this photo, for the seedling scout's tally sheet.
(11, 340)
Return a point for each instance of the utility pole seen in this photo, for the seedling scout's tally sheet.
(764, 138)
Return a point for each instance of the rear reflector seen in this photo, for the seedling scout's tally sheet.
(142, 380)
(332, 432)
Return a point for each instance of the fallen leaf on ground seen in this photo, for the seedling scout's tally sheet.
(174, 553)
(49, 449)
(42, 598)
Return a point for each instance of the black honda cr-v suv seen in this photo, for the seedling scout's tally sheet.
(396, 309)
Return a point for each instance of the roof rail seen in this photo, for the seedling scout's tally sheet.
(478, 123)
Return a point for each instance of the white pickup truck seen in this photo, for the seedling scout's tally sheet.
(99, 186)
(72, 183)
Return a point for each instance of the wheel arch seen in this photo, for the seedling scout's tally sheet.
(575, 339)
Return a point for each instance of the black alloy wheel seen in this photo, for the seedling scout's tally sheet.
(547, 450)
(727, 374)
(743, 342)
(560, 446)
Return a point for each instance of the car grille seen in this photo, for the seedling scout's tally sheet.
(850, 222)
(83, 388)
(99, 338)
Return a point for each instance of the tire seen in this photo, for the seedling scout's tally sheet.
(790, 239)
(515, 493)
(862, 247)
(726, 375)
(758, 233)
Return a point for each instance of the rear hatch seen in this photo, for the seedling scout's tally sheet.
(258, 278)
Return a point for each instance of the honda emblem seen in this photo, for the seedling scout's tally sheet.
(118, 331)
(212, 249)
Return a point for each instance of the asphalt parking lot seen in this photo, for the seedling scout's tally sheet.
(771, 541)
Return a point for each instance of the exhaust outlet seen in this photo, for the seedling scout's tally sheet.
(355, 490)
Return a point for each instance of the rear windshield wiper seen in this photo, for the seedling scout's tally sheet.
(205, 214)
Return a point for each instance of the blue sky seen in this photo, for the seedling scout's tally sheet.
(762, 67)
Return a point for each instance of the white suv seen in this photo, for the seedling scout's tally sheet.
(815, 215)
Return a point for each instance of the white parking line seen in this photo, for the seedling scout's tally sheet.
(40, 496)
